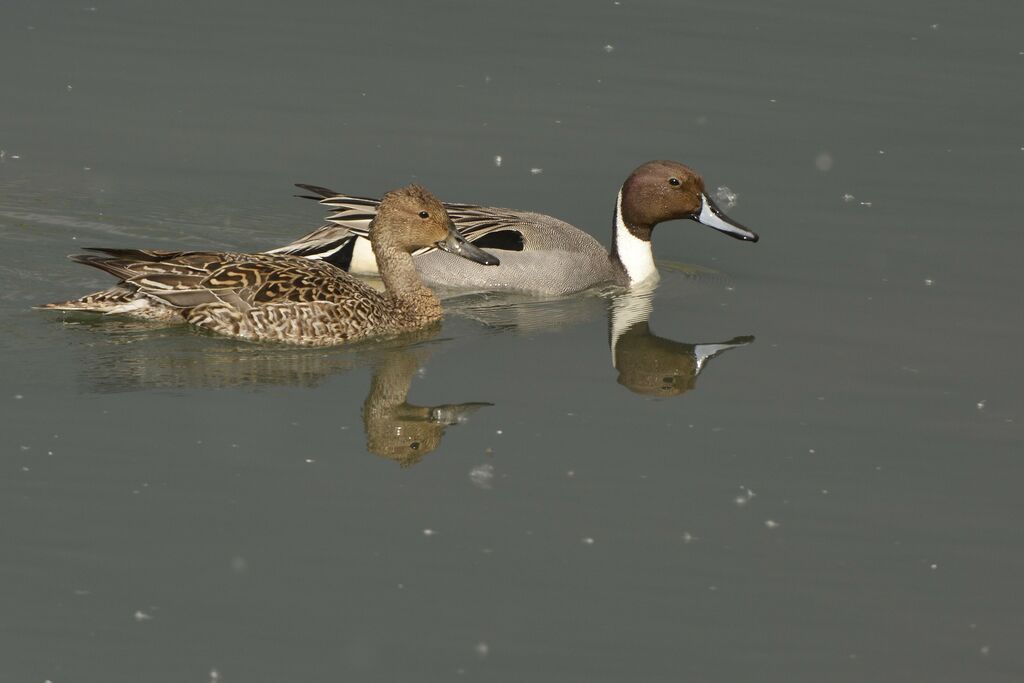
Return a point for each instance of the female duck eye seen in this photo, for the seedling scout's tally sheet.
(673, 181)
(424, 214)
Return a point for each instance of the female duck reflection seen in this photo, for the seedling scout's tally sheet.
(395, 428)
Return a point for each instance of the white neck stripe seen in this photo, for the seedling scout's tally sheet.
(635, 254)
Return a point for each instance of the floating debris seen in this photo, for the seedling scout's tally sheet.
(609, 48)
(771, 524)
(497, 160)
(429, 532)
(536, 171)
(588, 541)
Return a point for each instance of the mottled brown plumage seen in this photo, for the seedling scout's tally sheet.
(263, 297)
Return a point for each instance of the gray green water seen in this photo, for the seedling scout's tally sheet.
(836, 500)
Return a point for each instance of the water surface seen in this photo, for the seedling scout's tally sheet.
(834, 498)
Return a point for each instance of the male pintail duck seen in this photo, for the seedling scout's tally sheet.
(539, 254)
(261, 297)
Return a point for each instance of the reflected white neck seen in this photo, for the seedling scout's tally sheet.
(634, 253)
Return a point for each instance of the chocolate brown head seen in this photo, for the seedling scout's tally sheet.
(661, 191)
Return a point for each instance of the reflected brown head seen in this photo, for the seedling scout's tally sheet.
(660, 191)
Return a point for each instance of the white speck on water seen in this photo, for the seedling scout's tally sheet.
(487, 79)
(15, 156)
(609, 48)
(482, 649)
(823, 162)
(934, 27)
(773, 101)
(25, 448)
(482, 476)
(310, 461)
(498, 431)
(881, 151)
(811, 451)
(536, 171)
(928, 282)
(497, 160)
(214, 676)
(588, 541)
(848, 197)
(142, 616)
(867, 204)
(401, 586)
(933, 566)
(985, 649)
(69, 86)
(25, 469)
(429, 532)
(744, 497)
(688, 537)
(570, 473)
(824, 492)
(771, 524)
(18, 397)
(726, 196)
(239, 564)
(980, 405)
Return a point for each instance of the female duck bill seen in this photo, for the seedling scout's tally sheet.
(456, 244)
(713, 217)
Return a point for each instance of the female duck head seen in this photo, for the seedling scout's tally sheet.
(410, 218)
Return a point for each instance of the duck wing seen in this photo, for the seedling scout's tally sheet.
(242, 281)
(351, 216)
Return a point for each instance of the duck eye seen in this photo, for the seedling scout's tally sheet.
(673, 181)
(424, 214)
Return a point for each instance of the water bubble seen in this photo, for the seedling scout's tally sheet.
(726, 197)
(482, 476)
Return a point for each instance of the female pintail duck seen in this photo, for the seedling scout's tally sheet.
(261, 297)
(539, 254)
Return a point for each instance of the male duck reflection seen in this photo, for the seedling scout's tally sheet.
(653, 365)
(539, 254)
(261, 297)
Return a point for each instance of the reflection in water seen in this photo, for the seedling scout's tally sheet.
(646, 363)
(649, 364)
(394, 428)
(397, 429)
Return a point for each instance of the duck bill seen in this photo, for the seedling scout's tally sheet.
(713, 217)
(456, 244)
